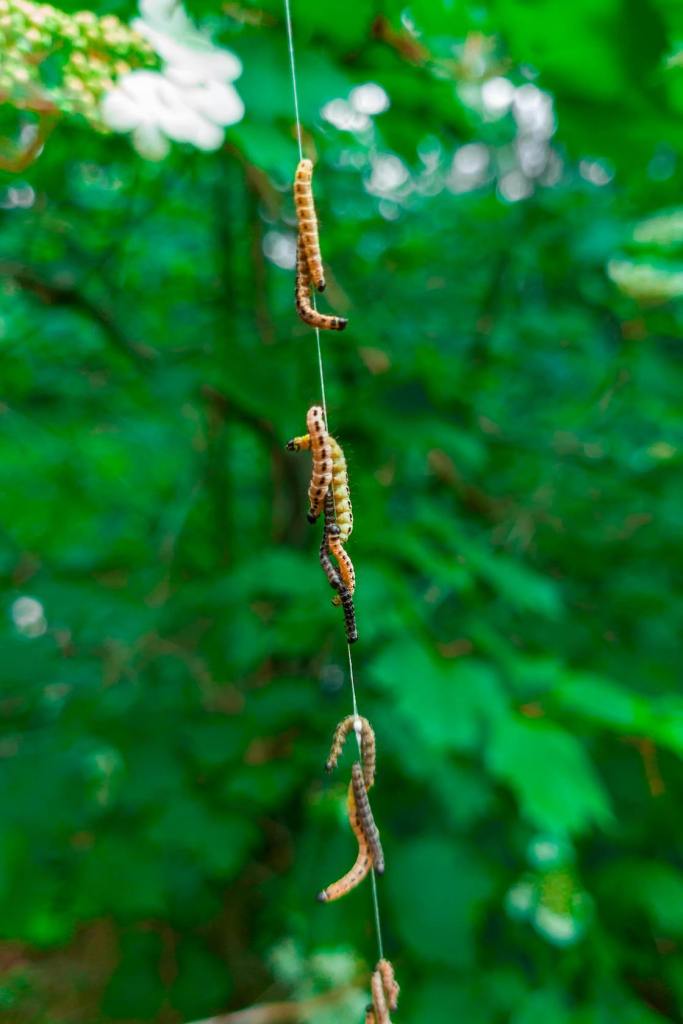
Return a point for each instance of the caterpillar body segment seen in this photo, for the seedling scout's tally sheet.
(370, 1015)
(302, 297)
(346, 569)
(379, 1001)
(340, 492)
(361, 867)
(349, 614)
(391, 987)
(368, 752)
(308, 222)
(367, 746)
(365, 816)
(321, 470)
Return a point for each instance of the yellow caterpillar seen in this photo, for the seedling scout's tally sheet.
(367, 746)
(302, 298)
(308, 222)
(340, 482)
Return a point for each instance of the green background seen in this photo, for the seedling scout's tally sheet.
(514, 428)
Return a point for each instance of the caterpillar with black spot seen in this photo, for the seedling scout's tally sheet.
(361, 867)
(391, 987)
(302, 298)
(346, 569)
(327, 564)
(366, 818)
(379, 1002)
(349, 614)
(367, 746)
(304, 205)
(321, 468)
(341, 493)
(385, 992)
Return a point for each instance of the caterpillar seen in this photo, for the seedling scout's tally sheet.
(379, 1001)
(302, 297)
(346, 570)
(321, 471)
(370, 1015)
(327, 565)
(390, 985)
(366, 818)
(308, 222)
(341, 493)
(367, 746)
(349, 614)
(355, 875)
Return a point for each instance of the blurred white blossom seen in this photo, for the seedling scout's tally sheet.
(191, 99)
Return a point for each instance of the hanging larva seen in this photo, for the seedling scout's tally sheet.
(321, 469)
(327, 565)
(366, 818)
(391, 987)
(349, 615)
(304, 205)
(302, 298)
(379, 1001)
(341, 492)
(361, 867)
(367, 746)
(346, 569)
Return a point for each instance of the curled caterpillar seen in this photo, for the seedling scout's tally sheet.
(355, 875)
(365, 816)
(379, 1002)
(392, 990)
(308, 222)
(321, 470)
(349, 614)
(327, 565)
(304, 308)
(341, 494)
(346, 570)
(367, 746)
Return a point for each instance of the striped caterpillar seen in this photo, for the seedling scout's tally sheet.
(344, 597)
(321, 470)
(367, 746)
(308, 222)
(302, 298)
(391, 987)
(385, 992)
(355, 875)
(366, 818)
(346, 570)
(349, 615)
(341, 493)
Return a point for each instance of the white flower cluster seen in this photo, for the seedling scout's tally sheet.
(191, 99)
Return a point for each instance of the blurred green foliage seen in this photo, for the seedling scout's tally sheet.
(509, 403)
